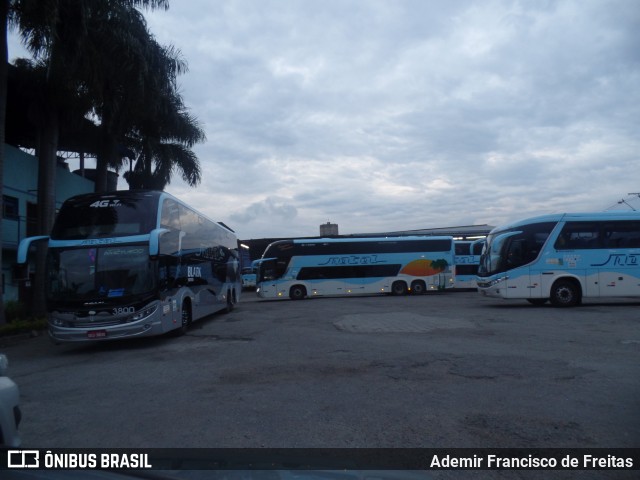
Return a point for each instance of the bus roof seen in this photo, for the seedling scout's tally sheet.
(370, 239)
(137, 194)
(576, 217)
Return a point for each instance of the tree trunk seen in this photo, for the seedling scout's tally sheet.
(47, 166)
(106, 155)
(4, 7)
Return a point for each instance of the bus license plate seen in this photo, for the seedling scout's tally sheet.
(97, 334)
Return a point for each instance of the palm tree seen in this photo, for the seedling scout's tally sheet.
(127, 75)
(57, 32)
(167, 158)
(165, 134)
(4, 16)
(54, 43)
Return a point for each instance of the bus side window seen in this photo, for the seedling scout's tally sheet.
(170, 217)
(515, 253)
(622, 235)
(579, 236)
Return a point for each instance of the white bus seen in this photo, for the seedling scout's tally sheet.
(467, 260)
(347, 266)
(563, 258)
(249, 275)
(132, 264)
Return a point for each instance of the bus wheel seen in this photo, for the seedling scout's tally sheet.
(537, 301)
(565, 293)
(297, 292)
(230, 302)
(399, 288)
(418, 287)
(185, 317)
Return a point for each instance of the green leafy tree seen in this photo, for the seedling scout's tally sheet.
(4, 17)
(53, 43)
(163, 144)
(132, 79)
(59, 33)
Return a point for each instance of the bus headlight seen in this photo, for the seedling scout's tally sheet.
(491, 283)
(57, 322)
(143, 313)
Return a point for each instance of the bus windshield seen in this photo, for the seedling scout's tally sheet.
(93, 217)
(513, 248)
(99, 273)
(494, 259)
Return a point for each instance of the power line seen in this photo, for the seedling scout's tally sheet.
(626, 203)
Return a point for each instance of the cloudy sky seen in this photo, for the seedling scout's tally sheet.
(384, 115)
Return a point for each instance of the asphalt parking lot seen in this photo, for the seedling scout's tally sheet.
(449, 369)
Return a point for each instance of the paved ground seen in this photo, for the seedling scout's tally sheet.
(440, 370)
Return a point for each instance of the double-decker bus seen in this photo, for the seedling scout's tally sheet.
(132, 264)
(348, 266)
(467, 260)
(563, 258)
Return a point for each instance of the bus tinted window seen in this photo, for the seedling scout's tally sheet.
(592, 235)
(621, 235)
(579, 236)
(462, 248)
(170, 216)
(348, 271)
(77, 274)
(105, 216)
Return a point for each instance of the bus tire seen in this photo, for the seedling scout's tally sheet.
(297, 292)
(185, 318)
(565, 293)
(418, 287)
(399, 288)
(230, 302)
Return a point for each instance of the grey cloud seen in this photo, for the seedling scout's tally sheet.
(270, 209)
(363, 113)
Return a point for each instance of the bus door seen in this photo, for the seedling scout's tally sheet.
(267, 276)
(523, 281)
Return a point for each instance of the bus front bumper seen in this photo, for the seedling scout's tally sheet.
(62, 330)
(64, 334)
(492, 287)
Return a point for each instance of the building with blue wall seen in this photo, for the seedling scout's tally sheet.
(20, 196)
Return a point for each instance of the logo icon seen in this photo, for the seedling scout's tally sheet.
(23, 459)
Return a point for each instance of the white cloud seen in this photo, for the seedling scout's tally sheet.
(405, 114)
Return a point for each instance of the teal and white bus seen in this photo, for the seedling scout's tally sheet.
(348, 266)
(563, 258)
(467, 260)
(134, 263)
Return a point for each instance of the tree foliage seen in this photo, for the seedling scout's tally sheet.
(100, 57)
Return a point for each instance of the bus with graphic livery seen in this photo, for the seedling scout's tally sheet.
(134, 263)
(302, 268)
(467, 259)
(563, 258)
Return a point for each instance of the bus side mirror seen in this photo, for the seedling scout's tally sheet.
(25, 244)
(154, 241)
